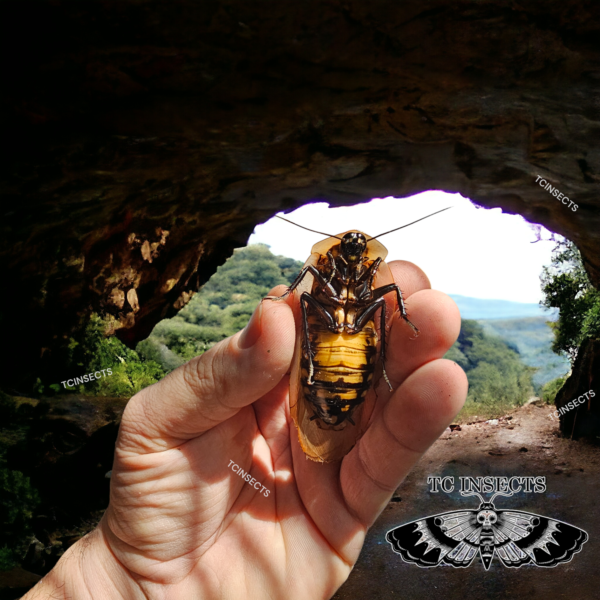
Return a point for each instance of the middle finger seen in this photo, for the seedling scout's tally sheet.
(438, 319)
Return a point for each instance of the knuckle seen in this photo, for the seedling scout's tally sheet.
(204, 375)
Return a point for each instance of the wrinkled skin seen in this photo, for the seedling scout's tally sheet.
(182, 524)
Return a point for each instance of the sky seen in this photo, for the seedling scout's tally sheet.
(467, 250)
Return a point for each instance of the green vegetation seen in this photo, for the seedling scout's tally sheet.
(550, 389)
(532, 337)
(498, 379)
(221, 308)
(567, 287)
(130, 371)
(18, 498)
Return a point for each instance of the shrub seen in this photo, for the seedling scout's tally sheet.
(550, 389)
(566, 286)
(18, 499)
(498, 379)
(130, 371)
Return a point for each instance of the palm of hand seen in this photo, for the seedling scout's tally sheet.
(195, 522)
(183, 524)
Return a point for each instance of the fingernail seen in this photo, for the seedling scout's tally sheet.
(252, 331)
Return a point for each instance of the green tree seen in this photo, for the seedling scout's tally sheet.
(566, 286)
(222, 307)
(498, 379)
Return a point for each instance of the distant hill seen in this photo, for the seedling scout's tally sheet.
(521, 325)
(478, 308)
(533, 339)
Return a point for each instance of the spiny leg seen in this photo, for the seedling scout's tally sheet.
(362, 320)
(393, 287)
(382, 327)
(333, 266)
(307, 300)
(372, 271)
(327, 287)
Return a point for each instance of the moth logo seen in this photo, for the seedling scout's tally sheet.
(518, 538)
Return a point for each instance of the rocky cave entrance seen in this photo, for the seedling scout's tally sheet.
(488, 261)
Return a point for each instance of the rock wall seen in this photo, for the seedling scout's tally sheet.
(583, 419)
(147, 138)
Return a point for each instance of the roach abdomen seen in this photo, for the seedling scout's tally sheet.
(343, 370)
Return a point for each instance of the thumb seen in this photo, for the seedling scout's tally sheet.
(214, 386)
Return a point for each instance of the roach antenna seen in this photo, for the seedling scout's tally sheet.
(307, 229)
(403, 226)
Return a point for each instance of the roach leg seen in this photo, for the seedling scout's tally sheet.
(327, 287)
(365, 316)
(393, 287)
(373, 271)
(307, 300)
(382, 327)
(333, 267)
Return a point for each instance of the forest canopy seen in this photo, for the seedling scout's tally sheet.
(566, 286)
(222, 307)
(498, 379)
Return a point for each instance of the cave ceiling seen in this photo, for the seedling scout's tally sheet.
(144, 140)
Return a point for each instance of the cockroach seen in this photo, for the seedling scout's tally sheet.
(341, 287)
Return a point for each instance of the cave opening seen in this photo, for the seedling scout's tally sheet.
(488, 261)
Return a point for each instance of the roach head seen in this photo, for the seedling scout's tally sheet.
(353, 246)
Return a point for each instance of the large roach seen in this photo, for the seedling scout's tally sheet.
(340, 288)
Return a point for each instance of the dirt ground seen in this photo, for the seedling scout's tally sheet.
(525, 442)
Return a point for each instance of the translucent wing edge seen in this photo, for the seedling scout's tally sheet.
(305, 286)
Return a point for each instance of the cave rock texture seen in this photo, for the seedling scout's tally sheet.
(145, 139)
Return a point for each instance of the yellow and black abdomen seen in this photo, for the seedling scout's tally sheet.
(343, 371)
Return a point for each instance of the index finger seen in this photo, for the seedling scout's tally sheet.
(214, 386)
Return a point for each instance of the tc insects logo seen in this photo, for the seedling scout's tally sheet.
(518, 538)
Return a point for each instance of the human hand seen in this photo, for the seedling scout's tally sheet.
(181, 524)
